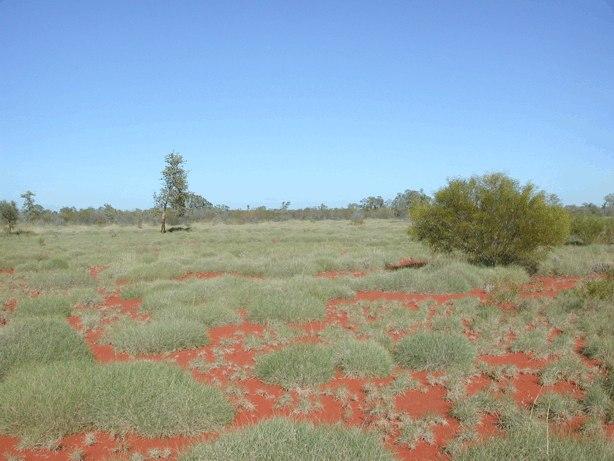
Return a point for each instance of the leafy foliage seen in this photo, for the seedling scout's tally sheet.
(492, 219)
(9, 214)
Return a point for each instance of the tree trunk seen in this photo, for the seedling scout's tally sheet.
(163, 226)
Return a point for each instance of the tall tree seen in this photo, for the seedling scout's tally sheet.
(174, 191)
(30, 209)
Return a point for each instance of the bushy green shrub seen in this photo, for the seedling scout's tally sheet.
(493, 219)
(587, 229)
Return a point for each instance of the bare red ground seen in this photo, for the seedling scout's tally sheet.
(520, 360)
(8, 271)
(95, 270)
(337, 274)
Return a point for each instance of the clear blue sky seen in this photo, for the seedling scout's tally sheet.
(305, 101)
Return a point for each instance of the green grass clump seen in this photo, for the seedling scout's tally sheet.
(363, 358)
(298, 365)
(211, 315)
(532, 441)
(44, 306)
(282, 440)
(299, 299)
(154, 336)
(435, 351)
(42, 403)
(63, 279)
(38, 341)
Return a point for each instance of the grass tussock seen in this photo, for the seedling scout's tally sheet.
(155, 336)
(26, 341)
(298, 365)
(42, 403)
(281, 439)
(435, 351)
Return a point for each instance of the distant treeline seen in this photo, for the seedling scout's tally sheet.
(200, 209)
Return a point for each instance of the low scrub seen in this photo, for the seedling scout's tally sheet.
(281, 439)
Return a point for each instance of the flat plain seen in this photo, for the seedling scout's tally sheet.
(296, 340)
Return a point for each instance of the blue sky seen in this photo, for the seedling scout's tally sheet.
(308, 101)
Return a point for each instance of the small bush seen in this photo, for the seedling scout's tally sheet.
(435, 351)
(492, 219)
(284, 440)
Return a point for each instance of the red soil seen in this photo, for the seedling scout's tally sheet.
(520, 360)
(406, 263)
(95, 270)
(337, 274)
(528, 389)
(7, 271)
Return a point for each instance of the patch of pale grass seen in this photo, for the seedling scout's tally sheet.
(165, 335)
(42, 403)
(38, 341)
(284, 440)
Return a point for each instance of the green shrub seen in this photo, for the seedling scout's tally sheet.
(492, 219)
(587, 228)
(435, 351)
(284, 440)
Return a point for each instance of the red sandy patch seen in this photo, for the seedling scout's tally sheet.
(95, 270)
(405, 264)
(8, 271)
(550, 287)
(337, 274)
(528, 389)
(520, 360)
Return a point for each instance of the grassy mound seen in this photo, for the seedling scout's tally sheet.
(363, 358)
(281, 439)
(528, 441)
(35, 340)
(45, 305)
(434, 351)
(154, 399)
(299, 299)
(298, 365)
(164, 335)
